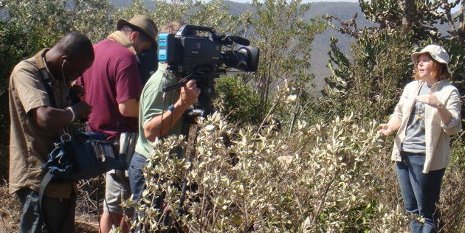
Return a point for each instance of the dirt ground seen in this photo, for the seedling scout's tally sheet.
(9, 210)
(86, 210)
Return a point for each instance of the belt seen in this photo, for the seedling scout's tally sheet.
(411, 153)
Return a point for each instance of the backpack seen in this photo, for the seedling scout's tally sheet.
(85, 156)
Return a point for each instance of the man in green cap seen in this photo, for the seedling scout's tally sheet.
(112, 87)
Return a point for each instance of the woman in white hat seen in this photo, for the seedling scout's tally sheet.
(427, 113)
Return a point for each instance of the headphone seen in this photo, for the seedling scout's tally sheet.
(62, 68)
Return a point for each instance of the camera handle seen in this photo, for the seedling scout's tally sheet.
(178, 85)
(205, 82)
(191, 130)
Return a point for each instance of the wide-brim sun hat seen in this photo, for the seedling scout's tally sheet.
(142, 23)
(438, 53)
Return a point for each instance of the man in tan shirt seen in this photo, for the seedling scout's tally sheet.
(37, 121)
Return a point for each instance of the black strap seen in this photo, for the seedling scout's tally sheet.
(48, 87)
(43, 186)
(48, 177)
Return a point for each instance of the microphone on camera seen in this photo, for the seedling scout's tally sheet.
(234, 39)
(240, 40)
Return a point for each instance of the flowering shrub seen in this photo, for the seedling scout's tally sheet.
(319, 178)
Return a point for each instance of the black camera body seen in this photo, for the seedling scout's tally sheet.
(189, 52)
(196, 52)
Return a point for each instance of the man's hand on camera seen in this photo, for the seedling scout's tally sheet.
(189, 93)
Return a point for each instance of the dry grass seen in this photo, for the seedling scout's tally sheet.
(9, 210)
(86, 211)
(89, 205)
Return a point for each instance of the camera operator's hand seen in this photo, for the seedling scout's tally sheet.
(81, 109)
(189, 93)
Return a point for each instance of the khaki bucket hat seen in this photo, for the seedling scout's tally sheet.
(142, 23)
(438, 53)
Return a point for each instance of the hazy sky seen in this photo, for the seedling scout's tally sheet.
(248, 1)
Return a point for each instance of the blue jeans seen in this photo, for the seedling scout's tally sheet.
(420, 191)
(58, 213)
(137, 184)
(136, 176)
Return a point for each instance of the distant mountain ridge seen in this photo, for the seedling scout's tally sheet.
(320, 45)
(319, 59)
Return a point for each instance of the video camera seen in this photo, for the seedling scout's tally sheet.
(195, 52)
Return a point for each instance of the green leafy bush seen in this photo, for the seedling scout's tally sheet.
(369, 83)
(318, 179)
(237, 100)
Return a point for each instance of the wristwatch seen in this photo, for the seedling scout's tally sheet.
(171, 108)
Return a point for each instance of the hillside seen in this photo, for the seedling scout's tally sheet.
(342, 10)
